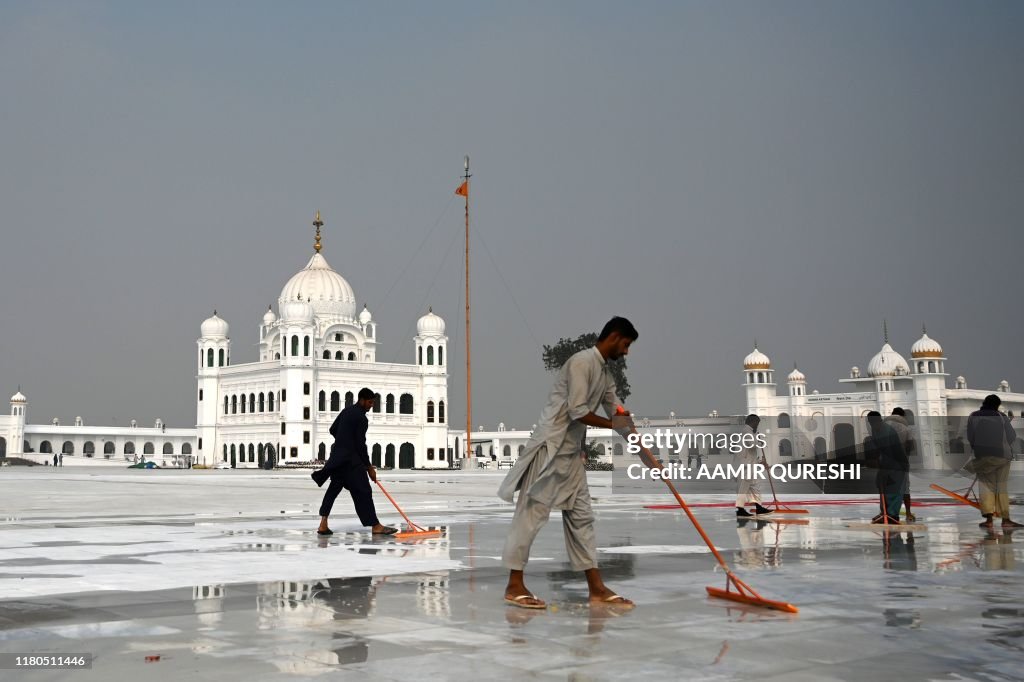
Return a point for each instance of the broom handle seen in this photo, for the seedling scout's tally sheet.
(770, 484)
(381, 486)
(682, 503)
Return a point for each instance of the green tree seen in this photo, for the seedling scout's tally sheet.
(556, 355)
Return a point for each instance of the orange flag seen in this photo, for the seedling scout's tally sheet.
(463, 190)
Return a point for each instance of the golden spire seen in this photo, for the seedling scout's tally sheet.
(317, 223)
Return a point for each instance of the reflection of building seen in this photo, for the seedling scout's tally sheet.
(805, 425)
(314, 356)
(82, 444)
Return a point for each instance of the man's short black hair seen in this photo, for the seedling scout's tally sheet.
(899, 411)
(991, 402)
(367, 394)
(621, 325)
(874, 413)
(752, 419)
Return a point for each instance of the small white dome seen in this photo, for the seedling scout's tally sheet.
(214, 327)
(961, 380)
(888, 363)
(297, 311)
(365, 317)
(18, 397)
(269, 317)
(757, 360)
(796, 376)
(855, 372)
(430, 324)
(926, 347)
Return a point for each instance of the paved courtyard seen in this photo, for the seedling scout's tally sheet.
(221, 575)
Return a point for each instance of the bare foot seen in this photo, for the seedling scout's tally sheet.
(606, 596)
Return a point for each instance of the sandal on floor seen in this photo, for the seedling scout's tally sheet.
(325, 532)
(518, 601)
(387, 530)
(616, 599)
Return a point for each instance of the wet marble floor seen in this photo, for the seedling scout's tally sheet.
(221, 575)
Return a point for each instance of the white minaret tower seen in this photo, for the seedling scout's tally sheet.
(297, 328)
(17, 429)
(759, 383)
(214, 354)
(928, 367)
(431, 346)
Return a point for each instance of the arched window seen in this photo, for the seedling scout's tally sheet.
(479, 450)
(931, 366)
(339, 355)
(209, 357)
(389, 456)
(440, 412)
(785, 448)
(45, 447)
(270, 402)
(241, 404)
(220, 357)
(305, 347)
(321, 452)
(389, 403)
(277, 356)
(440, 355)
(226, 406)
(148, 449)
(405, 404)
(295, 346)
(783, 421)
(68, 448)
(252, 402)
(506, 452)
(616, 449)
(820, 448)
(336, 401)
(234, 404)
(376, 403)
(129, 448)
(349, 399)
(430, 355)
(351, 356)
(108, 447)
(263, 403)
(430, 411)
(420, 349)
(186, 449)
(920, 366)
(375, 455)
(321, 403)
(327, 355)
(88, 449)
(168, 449)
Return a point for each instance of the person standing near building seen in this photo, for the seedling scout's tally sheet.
(990, 434)
(349, 467)
(898, 421)
(550, 474)
(892, 467)
(748, 490)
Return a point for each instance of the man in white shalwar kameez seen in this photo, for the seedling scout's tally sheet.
(748, 491)
(550, 473)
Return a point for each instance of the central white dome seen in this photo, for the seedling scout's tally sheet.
(326, 290)
(888, 363)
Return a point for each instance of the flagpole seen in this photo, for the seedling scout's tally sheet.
(469, 373)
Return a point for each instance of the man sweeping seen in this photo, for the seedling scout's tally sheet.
(748, 491)
(349, 467)
(550, 473)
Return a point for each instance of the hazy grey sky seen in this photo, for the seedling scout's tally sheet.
(716, 171)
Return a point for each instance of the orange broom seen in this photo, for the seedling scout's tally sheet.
(742, 593)
(779, 507)
(411, 530)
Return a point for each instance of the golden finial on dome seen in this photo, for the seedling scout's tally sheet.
(317, 223)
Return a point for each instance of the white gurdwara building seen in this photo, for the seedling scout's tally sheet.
(806, 425)
(314, 356)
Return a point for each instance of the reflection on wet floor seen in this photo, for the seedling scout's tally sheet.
(873, 604)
